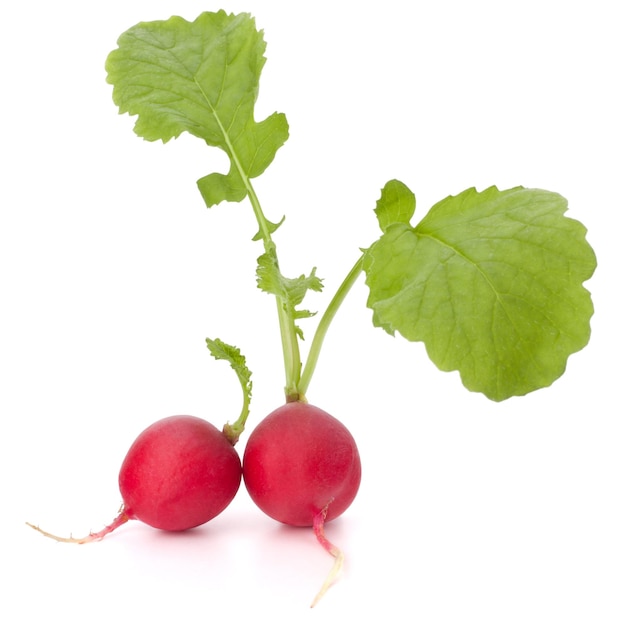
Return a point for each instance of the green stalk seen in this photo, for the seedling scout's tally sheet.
(288, 335)
(324, 324)
(233, 431)
(296, 379)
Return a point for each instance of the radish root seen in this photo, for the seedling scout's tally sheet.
(333, 550)
(122, 518)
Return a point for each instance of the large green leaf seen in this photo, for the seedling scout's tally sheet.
(201, 77)
(491, 282)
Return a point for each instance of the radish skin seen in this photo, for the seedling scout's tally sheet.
(298, 461)
(179, 473)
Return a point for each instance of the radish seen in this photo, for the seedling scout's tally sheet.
(179, 473)
(300, 460)
(301, 466)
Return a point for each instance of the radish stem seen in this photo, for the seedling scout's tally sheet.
(324, 323)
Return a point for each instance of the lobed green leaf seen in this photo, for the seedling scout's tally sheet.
(290, 291)
(491, 282)
(200, 77)
(396, 205)
(225, 352)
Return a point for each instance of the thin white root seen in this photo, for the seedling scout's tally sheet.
(333, 550)
(121, 518)
(332, 577)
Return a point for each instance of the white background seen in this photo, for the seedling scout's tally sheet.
(113, 273)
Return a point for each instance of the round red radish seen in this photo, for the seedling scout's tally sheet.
(179, 473)
(300, 461)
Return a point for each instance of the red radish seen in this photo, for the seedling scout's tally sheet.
(301, 467)
(300, 460)
(179, 473)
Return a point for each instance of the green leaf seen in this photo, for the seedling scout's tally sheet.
(226, 352)
(491, 282)
(200, 77)
(396, 204)
(290, 291)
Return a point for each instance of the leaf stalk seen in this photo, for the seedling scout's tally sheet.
(324, 324)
